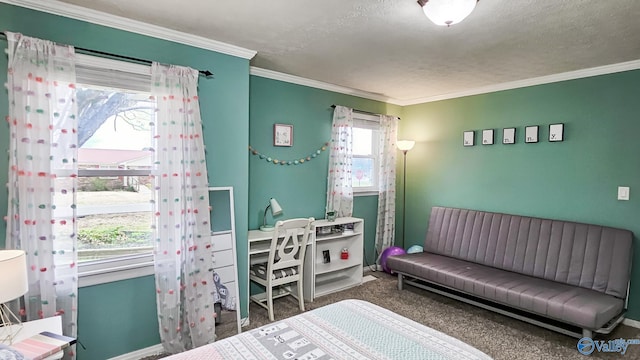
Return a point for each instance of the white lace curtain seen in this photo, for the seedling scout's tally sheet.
(339, 187)
(385, 227)
(41, 212)
(184, 285)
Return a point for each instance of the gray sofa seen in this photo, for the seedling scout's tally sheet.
(548, 272)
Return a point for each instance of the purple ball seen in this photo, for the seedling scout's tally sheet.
(390, 251)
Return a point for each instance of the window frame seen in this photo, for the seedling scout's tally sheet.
(96, 272)
(371, 122)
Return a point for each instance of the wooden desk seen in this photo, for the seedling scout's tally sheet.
(259, 245)
(321, 277)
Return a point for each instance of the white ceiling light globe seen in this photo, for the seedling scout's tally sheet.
(448, 12)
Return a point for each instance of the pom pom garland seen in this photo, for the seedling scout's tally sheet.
(298, 161)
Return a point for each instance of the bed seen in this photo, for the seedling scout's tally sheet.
(349, 329)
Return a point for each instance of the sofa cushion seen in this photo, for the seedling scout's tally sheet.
(590, 256)
(578, 306)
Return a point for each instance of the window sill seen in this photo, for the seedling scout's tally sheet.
(365, 193)
(111, 270)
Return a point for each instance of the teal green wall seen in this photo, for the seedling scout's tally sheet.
(224, 104)
(122, 313)
(573, 180)
(366, 207)
(299, 189)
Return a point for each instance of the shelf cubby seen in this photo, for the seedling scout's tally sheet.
(336, 274)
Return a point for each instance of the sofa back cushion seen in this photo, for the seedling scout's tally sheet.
(590, 256)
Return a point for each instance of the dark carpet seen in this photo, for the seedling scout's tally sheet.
(499, 336)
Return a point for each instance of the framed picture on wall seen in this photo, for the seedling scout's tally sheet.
(509, 135)
(556, 132)
(282, 135)
(531, 134)
(487, 137)
(468, 138)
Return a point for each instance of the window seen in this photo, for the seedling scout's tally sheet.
(365, 154)
(115, 112)
(114, 164)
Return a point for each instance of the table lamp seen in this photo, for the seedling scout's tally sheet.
(275, 210)
(13, 284)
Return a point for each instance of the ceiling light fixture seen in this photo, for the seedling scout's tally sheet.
(447, 12)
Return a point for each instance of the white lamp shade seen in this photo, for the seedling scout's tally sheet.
(448, 12)
(405, 145)
(275, 207)
(13, 275)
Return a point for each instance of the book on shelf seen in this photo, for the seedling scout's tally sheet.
(42, 345)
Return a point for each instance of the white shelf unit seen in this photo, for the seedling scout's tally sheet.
(337, 274)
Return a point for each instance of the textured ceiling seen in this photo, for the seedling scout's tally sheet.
(388, 47)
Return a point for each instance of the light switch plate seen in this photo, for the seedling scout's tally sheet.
(623, 193)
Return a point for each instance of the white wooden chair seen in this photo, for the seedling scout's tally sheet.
(285, 264)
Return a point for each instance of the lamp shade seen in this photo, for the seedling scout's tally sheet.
(447, 12)
(405, 145)
(275, 207)
(13, 275)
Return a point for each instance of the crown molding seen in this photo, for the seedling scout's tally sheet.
(270, 74)
(138, 27)
(570, 75)
(99, 18)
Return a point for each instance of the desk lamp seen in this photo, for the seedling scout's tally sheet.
(13, 284)
(275, 210)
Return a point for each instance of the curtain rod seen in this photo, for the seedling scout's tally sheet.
(362, 111)
(205, 73)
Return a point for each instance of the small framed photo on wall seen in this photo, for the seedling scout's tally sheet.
(556, 132)
(487, 137)
(509, 135)
(468, 138)
(282, 135)
(531, 134)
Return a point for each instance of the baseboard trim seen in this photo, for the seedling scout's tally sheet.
(139, 354)
(632, 323)
(371, 268)
(156, 349)
(368, 277)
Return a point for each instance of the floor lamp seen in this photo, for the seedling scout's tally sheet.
(404, 146)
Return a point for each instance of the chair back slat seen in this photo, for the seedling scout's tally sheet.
(289, 244)
(285, 264)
